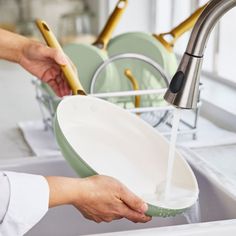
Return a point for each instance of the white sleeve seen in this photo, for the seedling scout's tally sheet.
(27, 204)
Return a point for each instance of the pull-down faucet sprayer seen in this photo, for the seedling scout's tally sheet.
(183, 89)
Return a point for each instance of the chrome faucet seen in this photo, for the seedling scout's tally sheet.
(183, 88)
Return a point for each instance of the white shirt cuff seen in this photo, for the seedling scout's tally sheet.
(29, 200)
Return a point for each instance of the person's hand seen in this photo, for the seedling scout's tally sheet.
(98, 198)
(105, 199)
(44, 63)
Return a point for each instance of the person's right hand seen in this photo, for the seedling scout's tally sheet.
(44, 62)
(98, 198)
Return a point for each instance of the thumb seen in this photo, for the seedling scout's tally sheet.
(55, 54)
(60, 58)
(133, 201)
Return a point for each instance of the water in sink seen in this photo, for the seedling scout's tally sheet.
(177, 199)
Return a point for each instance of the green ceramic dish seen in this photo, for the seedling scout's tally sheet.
(97, 137)
(143, 44)
(153, 46)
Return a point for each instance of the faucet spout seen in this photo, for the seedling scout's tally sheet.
(183, 90)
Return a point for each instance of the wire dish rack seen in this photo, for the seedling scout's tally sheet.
(133, 95)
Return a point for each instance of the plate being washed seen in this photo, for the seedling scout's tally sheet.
(97, 137)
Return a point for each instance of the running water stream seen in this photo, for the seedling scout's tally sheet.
(171, 157)
(193, 214)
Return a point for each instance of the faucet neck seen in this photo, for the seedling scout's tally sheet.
(183, 89)
(204, 25)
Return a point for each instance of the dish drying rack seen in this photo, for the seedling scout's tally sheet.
(154, 115)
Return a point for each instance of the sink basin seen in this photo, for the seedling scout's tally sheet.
(204, 229)
(215, 204)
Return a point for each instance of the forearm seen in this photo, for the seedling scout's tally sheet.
(37, 58)
(11, 45)
(115, 200)
(62, 190)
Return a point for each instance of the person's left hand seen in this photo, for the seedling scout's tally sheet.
(99, 198)
(44, 63)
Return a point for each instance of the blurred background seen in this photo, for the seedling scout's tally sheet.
(81, 20)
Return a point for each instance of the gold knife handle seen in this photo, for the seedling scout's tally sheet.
(69, 73)
(106, 34)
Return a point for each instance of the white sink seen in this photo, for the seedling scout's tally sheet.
(218, 228)
(215, 203)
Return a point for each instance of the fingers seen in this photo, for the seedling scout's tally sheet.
(65, 90)
(58, 56)
(92, 217)
(133, 201)
(53, 84)
(133, 215)
(55, 54)
(61, 59)
(106, 219)
(60, 88)
(123, 212)
(134, 208)
(55, 79)
(63, 85)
